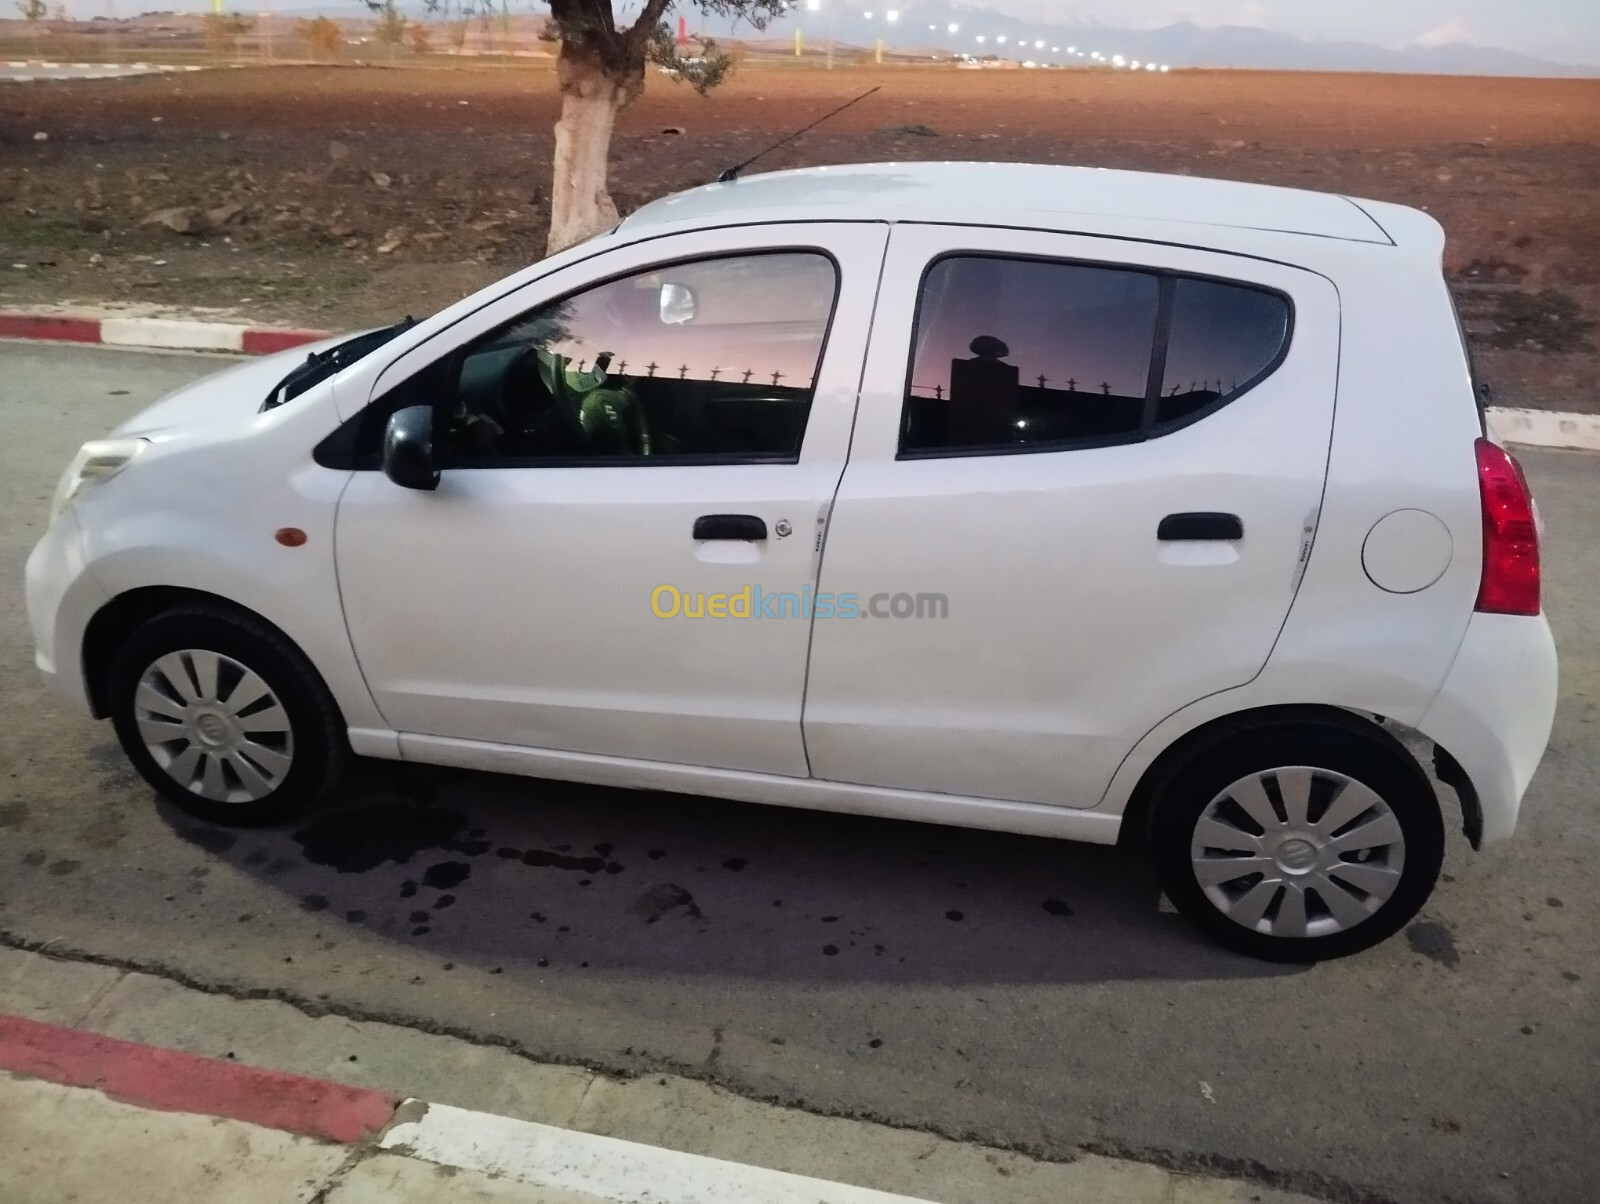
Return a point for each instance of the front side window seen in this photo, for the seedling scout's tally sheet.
(1018, 355)
(711, 361)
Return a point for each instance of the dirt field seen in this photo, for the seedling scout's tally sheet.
(338, 196)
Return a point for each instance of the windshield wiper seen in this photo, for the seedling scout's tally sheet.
(319, 365)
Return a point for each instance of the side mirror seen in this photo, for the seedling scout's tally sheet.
(408, 448)
(677, 304)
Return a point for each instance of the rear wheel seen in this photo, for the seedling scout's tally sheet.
(1299, 843)
(225, 717)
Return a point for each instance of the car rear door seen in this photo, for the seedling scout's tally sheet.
(1084, 480)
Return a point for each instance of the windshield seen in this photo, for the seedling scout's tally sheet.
(320, 365)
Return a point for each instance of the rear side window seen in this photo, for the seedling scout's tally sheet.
(1016, 355)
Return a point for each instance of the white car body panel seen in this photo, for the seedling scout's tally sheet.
(1071, 629)
(180, 519)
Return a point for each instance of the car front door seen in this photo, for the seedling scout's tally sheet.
(635, 454)
(1084, 481)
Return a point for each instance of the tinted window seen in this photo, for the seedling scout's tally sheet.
(1223, 337)
(710, 360)
(1012, 351)
(1015, 354)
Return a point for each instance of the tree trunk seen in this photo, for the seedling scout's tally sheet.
(594, 88)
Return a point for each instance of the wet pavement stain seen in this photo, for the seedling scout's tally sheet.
(103, 832)
(1434, 941)
(314, 903)
(561, 861)
(63, 867)
(735, 863)
(353, 842)
(215, 841)
(663, 898)
(13, 815)
(446, 874)
(1057, 907)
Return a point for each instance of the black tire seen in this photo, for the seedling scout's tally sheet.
(320, 747)
(1354, 749)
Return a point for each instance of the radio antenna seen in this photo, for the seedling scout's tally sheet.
(732, 173)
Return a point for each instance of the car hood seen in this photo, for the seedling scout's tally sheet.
(224, 398)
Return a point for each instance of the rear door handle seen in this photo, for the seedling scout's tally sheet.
(729, 526)
(1200, 524)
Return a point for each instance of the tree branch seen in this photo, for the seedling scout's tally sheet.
(643, 29)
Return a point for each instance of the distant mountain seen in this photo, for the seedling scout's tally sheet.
(926, 24)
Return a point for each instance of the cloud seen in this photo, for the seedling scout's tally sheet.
(1453, 32)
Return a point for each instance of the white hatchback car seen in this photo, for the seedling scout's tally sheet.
(1069, 502)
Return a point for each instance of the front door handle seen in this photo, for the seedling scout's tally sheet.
(1200, 524)
(729, 526)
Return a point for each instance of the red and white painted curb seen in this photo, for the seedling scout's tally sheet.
(168, 1081)
(168, 334)
(543, 1156)
(1531, 428)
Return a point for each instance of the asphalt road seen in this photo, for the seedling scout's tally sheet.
(1016, 991)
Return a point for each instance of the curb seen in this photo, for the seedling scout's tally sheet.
(168, 334)
(1545, 428)
(1529, 428)
(542, 1156)
(168, 1081)
(622, 1172)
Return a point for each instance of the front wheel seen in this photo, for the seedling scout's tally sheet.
(225, 716)
(1301, 842)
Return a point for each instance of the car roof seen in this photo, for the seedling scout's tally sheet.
(1031, 195)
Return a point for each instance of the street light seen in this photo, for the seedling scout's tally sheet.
(892, 15)
(953, 27)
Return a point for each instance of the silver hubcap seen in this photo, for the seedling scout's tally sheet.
(1298, 852)
(214, 725)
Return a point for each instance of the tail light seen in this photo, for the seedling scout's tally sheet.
(1510, 584)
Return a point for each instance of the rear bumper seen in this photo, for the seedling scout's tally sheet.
(62, 597)
(1495, 711)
